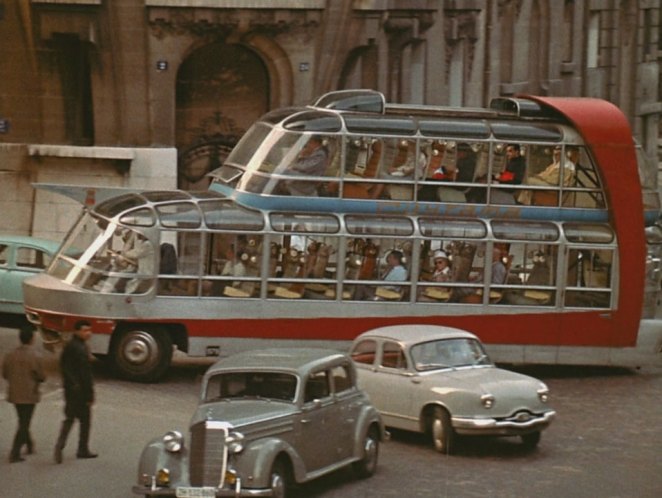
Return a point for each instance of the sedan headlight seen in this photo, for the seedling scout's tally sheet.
(173, 441)
(543, 393)
(235, 442)
(487, 400)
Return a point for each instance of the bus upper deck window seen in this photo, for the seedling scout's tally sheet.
(227, 215)
(143, 217)
(179, 215)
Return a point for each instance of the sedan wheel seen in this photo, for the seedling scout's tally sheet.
(531, 440)
(279, 480)
(367, 466)
(441, 431)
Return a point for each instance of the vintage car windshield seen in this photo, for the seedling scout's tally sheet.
(448, 353)
(240, 385)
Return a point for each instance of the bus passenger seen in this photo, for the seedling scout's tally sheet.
(396, 272)
(312, 161)
(513, 173)
(551, 176)
(441, 273)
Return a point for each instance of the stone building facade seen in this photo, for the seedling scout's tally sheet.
(154, 93)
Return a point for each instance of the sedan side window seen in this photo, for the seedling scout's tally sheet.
(393, 356)
(342, 379)
(317, 386)
(31, 258)
(365, 351)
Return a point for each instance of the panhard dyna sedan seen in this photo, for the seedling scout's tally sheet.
(266, 420)
(439, 381)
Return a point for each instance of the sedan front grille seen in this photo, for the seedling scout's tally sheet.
(209, 455)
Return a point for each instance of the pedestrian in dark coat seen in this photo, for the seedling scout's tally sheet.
(78, 391)
(23, 370)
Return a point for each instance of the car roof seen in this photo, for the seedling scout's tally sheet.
(296, 360)
(414, 333)
(45, 244)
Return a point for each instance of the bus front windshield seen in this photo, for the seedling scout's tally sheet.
(104, 257)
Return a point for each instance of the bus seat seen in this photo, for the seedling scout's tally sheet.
(368, 190)
(449, 194)
(286, 293)
(545, 198)
(388, 294)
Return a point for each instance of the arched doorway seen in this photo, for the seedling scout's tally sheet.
(221, 89)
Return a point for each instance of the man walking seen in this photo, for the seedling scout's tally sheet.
(78, 390)
(23, 370)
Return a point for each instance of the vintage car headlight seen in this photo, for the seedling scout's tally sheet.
(235, 442)
(487, 400)
(173, 441)
(543, 393)
(231, 477)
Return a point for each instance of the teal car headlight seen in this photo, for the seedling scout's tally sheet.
(173, 441)
(487, 401)
(543, 393)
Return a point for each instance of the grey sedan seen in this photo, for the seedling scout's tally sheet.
(439, 381)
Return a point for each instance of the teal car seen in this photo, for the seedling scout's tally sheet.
(21, 257)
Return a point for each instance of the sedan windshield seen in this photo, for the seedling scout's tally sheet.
(448, 353)
(235, 385)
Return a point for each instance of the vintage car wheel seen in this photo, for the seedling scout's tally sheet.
(367, 466)
(531, 440)
(279, 481)
(441, 431)
(142, 353)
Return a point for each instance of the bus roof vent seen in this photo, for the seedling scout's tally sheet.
(518, 107)
(353, 100)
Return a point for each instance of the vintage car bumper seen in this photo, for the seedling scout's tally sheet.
(199, 492)
(519, 424)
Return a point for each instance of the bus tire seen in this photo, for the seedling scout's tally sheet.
(142, 353)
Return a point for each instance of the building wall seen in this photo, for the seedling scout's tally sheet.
(153, 93)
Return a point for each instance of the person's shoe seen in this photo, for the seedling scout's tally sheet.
(16, 458)
(30, 448)
(87, 454)
(58, 454)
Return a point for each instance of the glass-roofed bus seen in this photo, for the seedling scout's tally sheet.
(528, 223)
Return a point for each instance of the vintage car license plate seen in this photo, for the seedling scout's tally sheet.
(186, 492)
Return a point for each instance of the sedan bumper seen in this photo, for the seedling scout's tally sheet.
(517, 425)
(201, 492)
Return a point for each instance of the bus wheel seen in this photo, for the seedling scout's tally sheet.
(142, 354)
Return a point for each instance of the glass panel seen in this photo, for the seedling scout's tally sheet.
(4, 254)
(448, 353)
(166, 196)
(179, 215)
(444, 227)
(589, 276)
(227, 215)
(364, 352)
(302, 223)
(28, 257)
(513, 131)
(548, 169)
(385, 260)
(342, 378)
(379, 225)
(524, 230)
(393, 356)
(143, 217)
(245, 149)
(313, 121)
(372, 125)
(270, 385)
(454, 129)
(317, 387)
(116, 205)
(588, 233)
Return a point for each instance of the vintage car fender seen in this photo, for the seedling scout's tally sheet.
(258, 458)
(368, 416)
(154, 456)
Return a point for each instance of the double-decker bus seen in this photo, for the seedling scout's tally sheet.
(531, 223)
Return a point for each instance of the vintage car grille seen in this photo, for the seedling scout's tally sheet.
(521, 416)
(208, 459)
